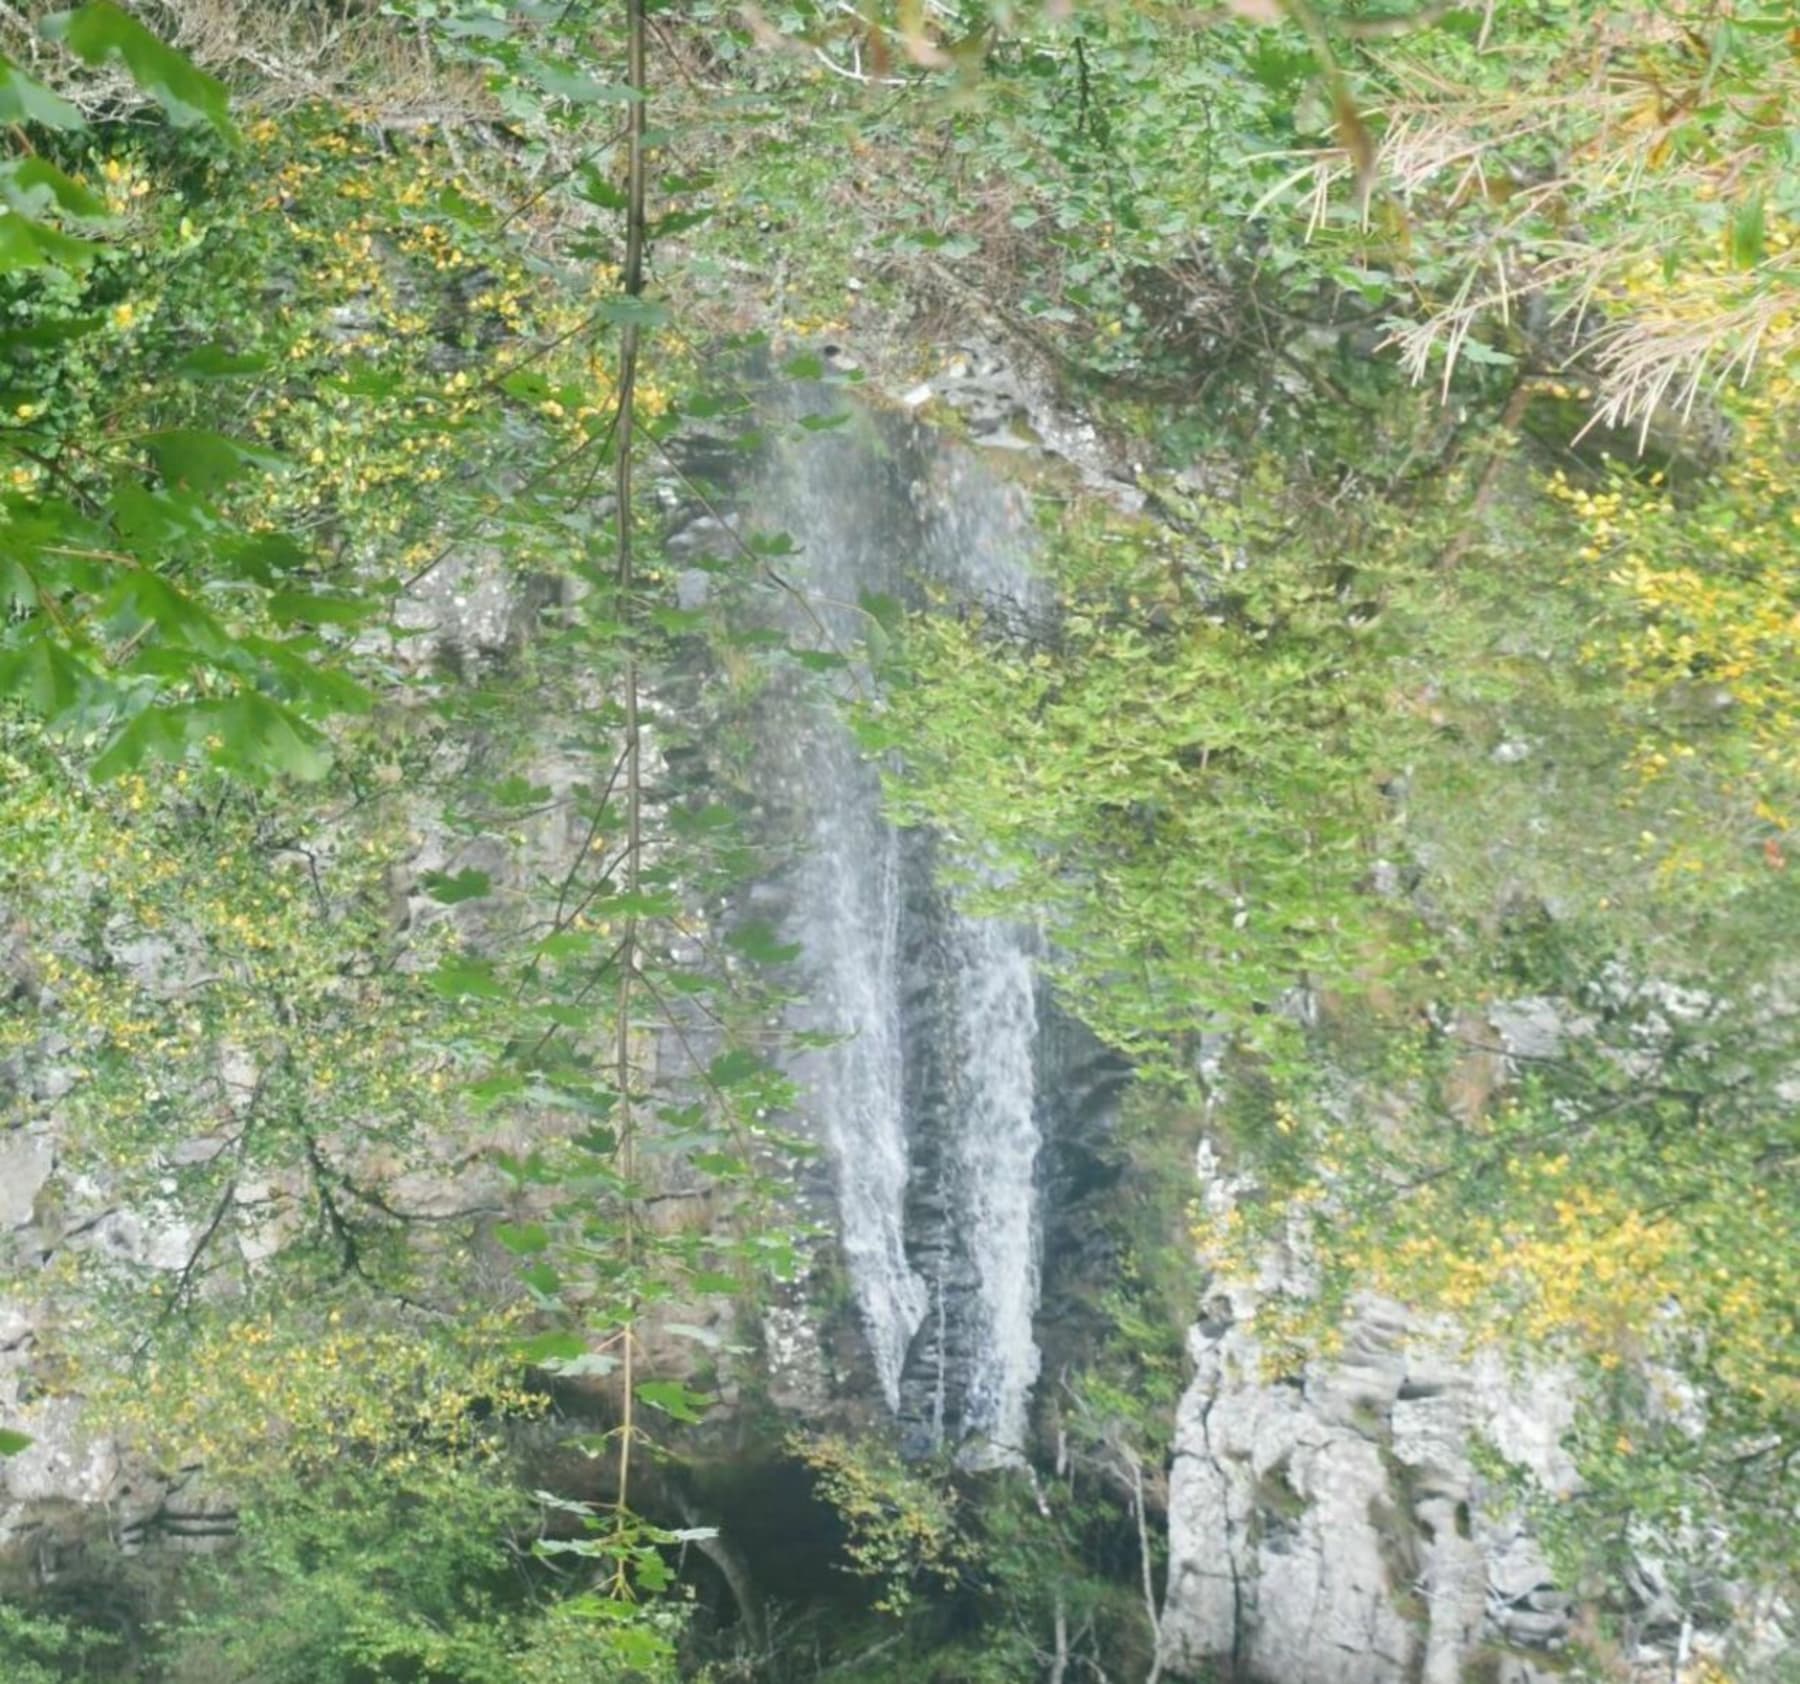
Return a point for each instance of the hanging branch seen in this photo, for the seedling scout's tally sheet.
(1136, 1469)
(632, 282)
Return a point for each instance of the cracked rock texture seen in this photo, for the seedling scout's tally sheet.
(1331, 1526)
(1328, 1527)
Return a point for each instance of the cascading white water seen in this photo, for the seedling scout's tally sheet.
(977, 543)
(996, 1150)
(848, 922)
(938, 1010)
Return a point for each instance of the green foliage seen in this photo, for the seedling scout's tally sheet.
(43, 1649)
(1186, 781)
(975, 1579)
(1304, 823)
(1315, 767)
(903, 1524)
(1155, 200)
(421, 1572)
(281, 387)
(100, 31)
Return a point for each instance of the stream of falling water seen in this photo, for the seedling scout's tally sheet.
(907, 981)
(996, 1150)
(848, 922)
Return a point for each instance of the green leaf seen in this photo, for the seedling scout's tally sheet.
(25, 244)
(262, 555)
(625, 311)
(597, 190)
(561, 82)
(569, 944)
(824, 423)
(526, 384)
(156, 733)
(142, 597)
(101, 31)
(720, 1164)
(467, 884)
(756, 940)
(490, 1090)
(886, 611)
(309, 608)
(12, 1441)
(198, 461)
(151, 522)
(676, 621)
(553, 1347)
(1749, 227)
(678, 222)
(260, 736)
(285, 670)
(525, 1239)
(1487, 356)
(734, 1068)
(712, 1283)
(598, 1364)
(462, 979)
(542, 1279)
(364, 381)
(24, 101)
(32, 186)
(214, 362)
(474, 28)
(18, 588)
(515, 791)
(588, 1101)
(696, 821)
(40, 334)
(45, 677)
(639, 905)
(673, 1399)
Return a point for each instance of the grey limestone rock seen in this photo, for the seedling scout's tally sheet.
(27, 1159)
(1294, 1551)
(1330, 1526)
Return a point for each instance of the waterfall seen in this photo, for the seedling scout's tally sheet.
(929, 1101)
(848, 923)
(996, 1155)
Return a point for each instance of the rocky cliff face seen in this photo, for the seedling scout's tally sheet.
(992, 1076)
(1332, 1526)
(75, 1484)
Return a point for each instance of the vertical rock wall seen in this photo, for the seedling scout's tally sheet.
(1329, 1527)
(1333, 1526)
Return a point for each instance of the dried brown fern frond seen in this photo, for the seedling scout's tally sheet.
(284, 54)
(1662, 355)
(1553, 203)
(276, 56)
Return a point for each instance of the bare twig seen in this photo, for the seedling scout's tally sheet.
(632, 282)
(1136, 1468)
(1059, 1660)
